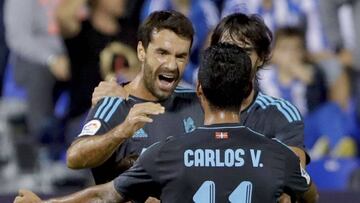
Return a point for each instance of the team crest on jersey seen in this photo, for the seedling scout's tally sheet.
(91, 128)
(221, 135)
(140, 134)
(189, 125)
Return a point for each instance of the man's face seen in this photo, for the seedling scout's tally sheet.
(288, 50)
(165, 60)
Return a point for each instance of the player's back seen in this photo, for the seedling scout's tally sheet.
(226, 164)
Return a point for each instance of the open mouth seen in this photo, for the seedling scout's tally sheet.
(166, 81)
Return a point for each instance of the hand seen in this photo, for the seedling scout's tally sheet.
(152, 200)
(108, 88)
(140, 114)
(284, 198)
(60, 68)
(26, 196)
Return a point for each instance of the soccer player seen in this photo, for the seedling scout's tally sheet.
(164, 44)
(273, 117)
(219, 162)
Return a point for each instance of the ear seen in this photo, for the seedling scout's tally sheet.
(199, 91)
(258, 64)
(141, 52)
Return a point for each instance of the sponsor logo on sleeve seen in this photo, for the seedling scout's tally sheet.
(90, 128)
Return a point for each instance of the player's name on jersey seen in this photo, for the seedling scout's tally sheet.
(221, 157)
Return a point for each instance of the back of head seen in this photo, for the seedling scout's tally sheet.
(245, 29)
(225, 76)
(159, 20)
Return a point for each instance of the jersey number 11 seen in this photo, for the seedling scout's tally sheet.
(206, 193)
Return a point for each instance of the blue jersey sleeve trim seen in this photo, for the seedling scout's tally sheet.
(286, 108)
(288, 115)
(113, 109)
(102, 105)
(107, 107)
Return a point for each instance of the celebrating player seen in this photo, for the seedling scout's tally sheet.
(218, 162)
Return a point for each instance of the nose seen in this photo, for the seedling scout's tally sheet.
(171, 63)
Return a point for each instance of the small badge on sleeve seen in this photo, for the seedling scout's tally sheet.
(90, 128)
(221, 135)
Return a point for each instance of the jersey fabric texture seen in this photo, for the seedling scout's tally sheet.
(180, 118)
(217, 163)
(275, 118)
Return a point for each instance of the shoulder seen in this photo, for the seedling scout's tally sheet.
(284, 149)
(275, 107)
(184, 91)
(185, 94)
(106, 108)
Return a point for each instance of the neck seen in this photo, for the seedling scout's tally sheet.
(248, 101)
(138, 89)
(220, 116)
(104, 22)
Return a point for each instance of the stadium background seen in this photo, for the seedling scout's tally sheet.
(331, 38)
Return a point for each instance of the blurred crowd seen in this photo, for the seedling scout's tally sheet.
(53, 53)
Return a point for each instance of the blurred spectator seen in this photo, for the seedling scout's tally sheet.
(329, 128)
(276, 14)
(40, 61)
(203, 14)
(331, 11)
(304, 14)
(119, 62)
(88, 26)
(4, 51)
(292, 75)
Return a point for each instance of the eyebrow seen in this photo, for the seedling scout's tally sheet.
(162, 50)
(182, 55)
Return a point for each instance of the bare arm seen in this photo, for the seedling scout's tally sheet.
(67, 18)
(99, 193)
(92, 151)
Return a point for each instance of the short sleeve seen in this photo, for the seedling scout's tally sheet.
(99, 119)
(291, 133)
(141, 181)
(297, 179)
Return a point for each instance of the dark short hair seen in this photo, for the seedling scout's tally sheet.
(241, 27)
(225, 76)
(291, 31)
(171, 20)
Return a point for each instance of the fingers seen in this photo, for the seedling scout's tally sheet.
(148, 108)
(23, 192)
(18, 199)
(285, 198)
(141, 119)
(112, 79)
(108, 89)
